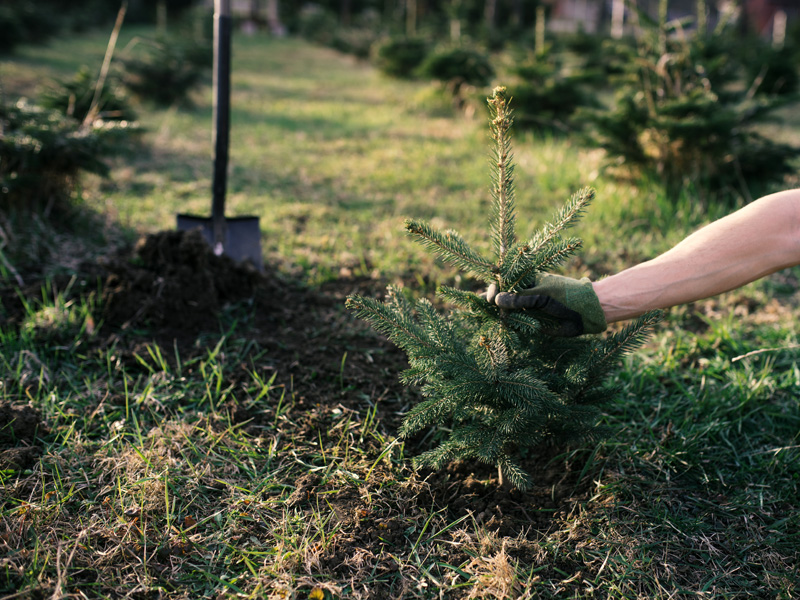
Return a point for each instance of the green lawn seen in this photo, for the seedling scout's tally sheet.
(258, 458)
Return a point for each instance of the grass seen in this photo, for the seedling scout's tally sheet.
(219, 467)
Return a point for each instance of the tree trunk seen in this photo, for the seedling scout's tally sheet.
(274, 19)
(517, 13)
(454, 14)
(489, 13)
(540, 30)
(161, 17)
(455, 30)
(779, 29)
(345, 12)
(411, 17)
(389, 11)
(617, 19)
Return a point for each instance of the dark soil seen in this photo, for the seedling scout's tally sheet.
(172, 282)
(19, 426)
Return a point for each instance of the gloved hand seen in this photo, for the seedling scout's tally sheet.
(571, 302)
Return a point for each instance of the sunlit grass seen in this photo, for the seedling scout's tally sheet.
(331, 156)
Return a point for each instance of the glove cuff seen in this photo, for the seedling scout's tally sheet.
(592, 315)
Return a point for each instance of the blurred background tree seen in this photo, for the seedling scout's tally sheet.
(490, 22)
(656, 74)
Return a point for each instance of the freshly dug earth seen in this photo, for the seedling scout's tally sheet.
(19, 427)
(172, 289)
(173, 282)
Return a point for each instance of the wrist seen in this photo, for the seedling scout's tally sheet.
(592, 313)
(612, 306)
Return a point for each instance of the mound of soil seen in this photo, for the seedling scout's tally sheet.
(173, 280)
(19, 426)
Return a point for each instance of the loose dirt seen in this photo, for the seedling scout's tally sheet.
(19, 426)
(173, 282)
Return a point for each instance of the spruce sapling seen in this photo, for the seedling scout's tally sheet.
(493, 376)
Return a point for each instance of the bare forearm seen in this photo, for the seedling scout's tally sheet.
(761, 238)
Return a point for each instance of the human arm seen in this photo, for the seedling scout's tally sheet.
(759, 239)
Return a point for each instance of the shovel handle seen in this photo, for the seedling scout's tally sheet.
(221, 115)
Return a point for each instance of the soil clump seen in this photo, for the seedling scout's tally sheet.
(172, 280)
(19, 427)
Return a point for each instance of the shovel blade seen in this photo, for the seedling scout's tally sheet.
(242, 236)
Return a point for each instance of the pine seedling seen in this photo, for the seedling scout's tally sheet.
(493, 377)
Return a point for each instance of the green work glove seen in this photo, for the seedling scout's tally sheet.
(570, 302)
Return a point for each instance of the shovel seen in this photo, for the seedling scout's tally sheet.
(237, 237)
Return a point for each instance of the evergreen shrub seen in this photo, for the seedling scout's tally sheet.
(681, 116)
(317, 24)
(73, 98)
(400, 56)
(43, 152)
(491, 377)
(601, 58)
(773, 70)
(167, 70)
(26, 22)
(12, 28)
(357, 41)
(359, 38)
(458, 66)
(546, 94)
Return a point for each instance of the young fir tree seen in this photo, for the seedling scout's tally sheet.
(687, 113)
(499, 382)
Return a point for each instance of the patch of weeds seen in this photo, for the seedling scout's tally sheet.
(62, 318)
